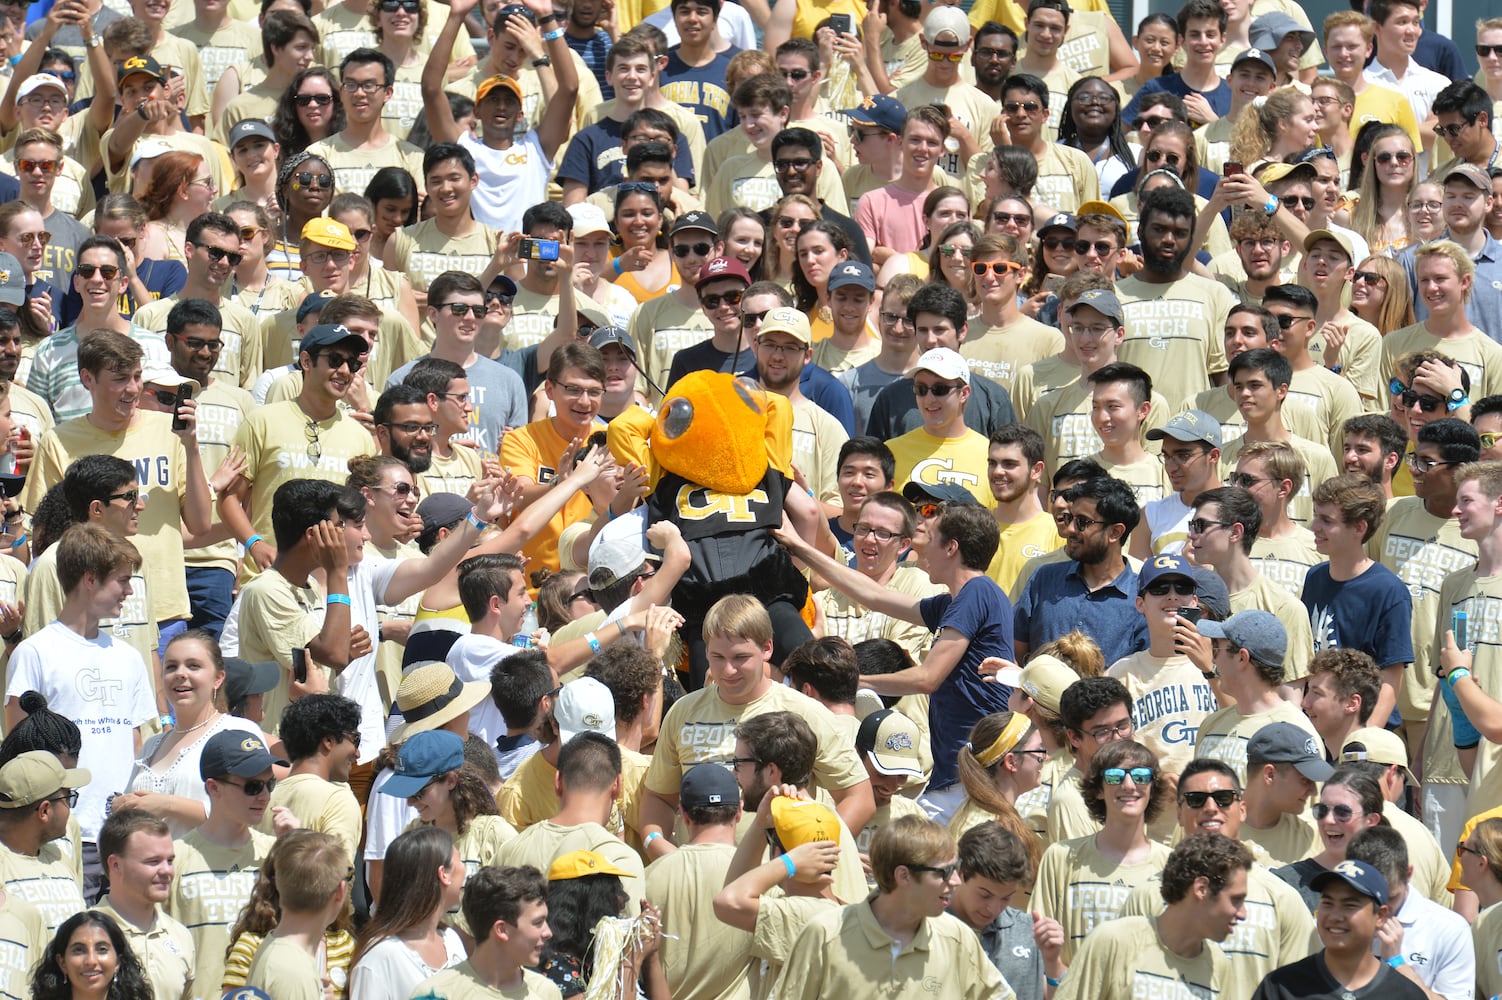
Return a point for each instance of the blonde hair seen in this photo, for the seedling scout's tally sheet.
(1397, 304)
(1369, 192)
(1351, 19)
(1280, 461)
(980, 785)
(1489, 832)
(771, 254)
(1488, 476)
(310, 867)
(1078, 651)
(1256, 129)
(739, 616)
(1451, 251)
(908, 840)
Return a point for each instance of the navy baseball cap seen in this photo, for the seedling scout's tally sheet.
(706, 785)
(942, 493)
(236, 752)
(883, 111)
(423, 757)
(852, 272)
(1358, 875)
(1163, 565)
(329, 334)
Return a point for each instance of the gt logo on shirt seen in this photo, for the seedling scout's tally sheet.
(697, 504)
(942, 471)
(94, 688)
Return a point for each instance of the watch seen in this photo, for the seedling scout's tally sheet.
(1456, 400)
(542, 61)
(548, 19)
(94, 42)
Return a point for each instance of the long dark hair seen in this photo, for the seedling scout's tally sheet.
(410, 892)
(576, 905)
(1069, 133)
(805, 295)
(390, 183)
(284, 122)
(49, 982)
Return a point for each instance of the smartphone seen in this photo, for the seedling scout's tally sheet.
(1191, 615)
(300, 665)
(1231, 168)
(530, 249)
(1053, 282)
(184, 393)
(842, 24)
(1457, 625)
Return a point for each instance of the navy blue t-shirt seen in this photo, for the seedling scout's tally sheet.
(828, 394)
(595, 51)
(982, 614)
(701, 89)
(595, 160)
(1219, 98)
(1371, 612)
(162, 278)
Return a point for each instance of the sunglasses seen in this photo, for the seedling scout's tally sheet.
(392, 6)
(1183, 588)
(954, 250)
(1148, 124)
(946, 873)
(996, 267)
(1223, 798)
(1401, 156)
(754, 319)
(714, 300)
(929, 509)
(1118, 775)
(1244, 480)
(1158, 156)
(1293, 201)
(1015, 218)
(1101, 248)
(1367, 278)
(1080, 521)
(939, 389)
(129, 496)
(581, 595)
(361, 235)
(312, 180)
(1027, 107)
(107, 271)
(1427, 403)
(336, 361)
(462, 309)
(321, 100)
(1342, 813)
(788, 222)
(953, 57)
(69, 796)
(1058, 243)
(196, 344)
(1287, 320)
(797, 164)
(219, 254)
(1482, 51)
(1488, 439)
(796, 75)
(45, 166)
(681, 250)
(254, 787)
(1448, 132)
(165, 397)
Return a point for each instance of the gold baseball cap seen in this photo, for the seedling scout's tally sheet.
(1377, 746)
(36, 775)
(577, 864)
(803, 821)
(328, 233)
(488, 86)
(1044, 679)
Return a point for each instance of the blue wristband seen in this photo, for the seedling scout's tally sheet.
(617, 265)
(339, 599)
(787, 863)
(1053, 983)
(1396, 962)
(249, 542)
(594, 642)
(553, 36)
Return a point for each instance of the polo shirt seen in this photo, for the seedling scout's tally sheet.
(1437, 942)
(1484, 308)
(1056, 601)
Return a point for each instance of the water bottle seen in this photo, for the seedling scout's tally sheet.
(523, 639)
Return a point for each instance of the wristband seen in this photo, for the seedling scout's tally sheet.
(617, 265)
(339, 599)
(647, 840)
(19, 542)
(166, 720)
(594, 642)
(552, 36)
(472, 519)
(1396, 962)
(1456, 675)
(1271, 208)
(251, 541)
(1052, 982)
(787, 863)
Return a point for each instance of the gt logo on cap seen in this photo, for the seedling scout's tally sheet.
(899, 741)
(250, 744)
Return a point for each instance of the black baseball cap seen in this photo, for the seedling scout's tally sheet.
(235, 752)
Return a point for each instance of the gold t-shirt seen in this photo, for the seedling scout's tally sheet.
(1084, 891)
(210, 885)
(702, 958)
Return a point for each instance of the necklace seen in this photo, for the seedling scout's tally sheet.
(212, 716)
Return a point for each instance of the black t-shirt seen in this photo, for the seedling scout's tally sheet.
(1310, 979)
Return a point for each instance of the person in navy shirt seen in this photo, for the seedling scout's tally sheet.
(1202, 24)
(973, 622)
(1095, 591)
(1353, 601)
(695, 74)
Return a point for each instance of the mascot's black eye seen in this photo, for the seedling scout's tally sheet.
(747, 390)
(676, 418)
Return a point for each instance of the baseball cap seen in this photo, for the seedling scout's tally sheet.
(1160, 566)
(502, 285)
(432, 695)
(149, 148)
(946, 20)
(243, 679)
(1045, 679)
(1269, 30)
(584, 705)
(1285, 743)
(1469, 172)
(1358, 875)
(1340, 239)
(701, 221)
(235, 752)
(884, 111)
(577, 864)
(1214, 595)
(588, 219)
(1098, 208)
(327, 335)
(1254, 630)
(328, 233)
(717, 268)
(31, 777)
(314, 302)
(1272, 173)
(423, 757)
(916, 492)
(944, 363)
(441, 510)
(1379, 747)
(1103, 301)
(12, 281)
(139, 66)
(852, 272)
(247, 993)
(803, 821)
(606, 335)
(38, 81)
(1063, 220)
(615, 555)
(1258, 56)
(591, 315)
(499, 81)
(889, 740)
(1191, 425)
(786, 319)
(707, 785)
(248, 128)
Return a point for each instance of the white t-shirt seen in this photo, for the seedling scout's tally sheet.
(392, 971)
(368, 580)
(386, 816)
(471, 659)
(511, 180)
(103, 687)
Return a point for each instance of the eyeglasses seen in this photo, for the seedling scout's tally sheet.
(1424, 464)
(354, 739)
(1223, 798)
(1368, 278)
(69, 795)
(938, 389)
(796, 75)
(1026, 107)
(367, 87)
(107, 271)
(1425, 206)
(1462, 848)
(754, 319)
(129, 496)
(34, 239)
(1244, 480)
(738, 761)
(714, 300)
(1090, 332)
(772, 347)
(406, 489)
(893, 319)
(1080, 521)
(1118, 775)
(788, 222)
(219, 254)
(1342, 813)
(1448, 132)
(1183, 588)
(572, 391)
(861, 530)
(1287, 320)
(1200, 525)
(1251, 243)
(308, 179)
(207, 182)
(392, 6)
(1148, 124)
(253, 787)
(321, 100)
(945, 873)
(1101, 248)
(44, 166)
(335, 361)
(315, 449)
(797, 164)
(1000, 268)
(1427, 403)
(1482, 51)
(953, 57)
(1401, 156)
(318, 258)
(462, 397)
(987, 53)
(1015, 218)
(1181, 457)
(1159, 156)
(954, 250)
(929, 509)
(196, 344)
(1104, 733)
(682, 250)
(1039, 755)
(413, 427)
(46, 102)
(459, 310)
(1293, 201)
(1102, 100)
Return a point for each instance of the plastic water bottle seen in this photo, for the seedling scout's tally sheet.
(523, 639)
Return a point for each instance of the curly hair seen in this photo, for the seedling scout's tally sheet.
(170, 173)
(290, 133)
(1210, 856)
(1256, 129)
(50, 982)
(577, 905)
(41, 729)
(1124, 754)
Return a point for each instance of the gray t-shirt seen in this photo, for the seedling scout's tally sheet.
(497, 395)
(864, 383)
(1008, 943)
(61, 256)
